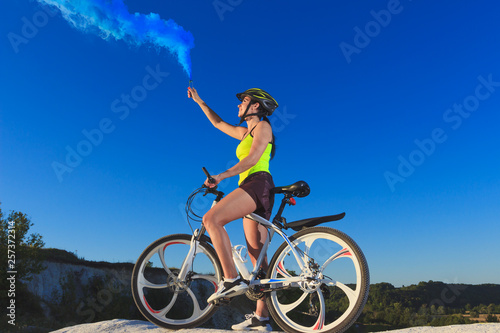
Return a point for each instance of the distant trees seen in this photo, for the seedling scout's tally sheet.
(492, 318)
(24, 256)
(423, 304)
(483, 309)
(21, 259)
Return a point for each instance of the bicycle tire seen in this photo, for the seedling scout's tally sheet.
(340, 304)
(169, 303)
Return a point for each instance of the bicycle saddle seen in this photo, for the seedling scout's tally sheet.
(299, 189)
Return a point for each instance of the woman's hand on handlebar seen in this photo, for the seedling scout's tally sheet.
(217, 179)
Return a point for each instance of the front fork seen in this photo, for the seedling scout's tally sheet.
(188, 261)
(195, 240)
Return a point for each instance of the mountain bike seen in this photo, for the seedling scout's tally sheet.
(318, 278)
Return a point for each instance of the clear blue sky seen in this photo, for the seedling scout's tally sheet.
(389, 110)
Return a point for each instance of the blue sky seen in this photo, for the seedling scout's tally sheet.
(388, 109)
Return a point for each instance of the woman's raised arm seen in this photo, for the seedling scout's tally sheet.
(236, 132)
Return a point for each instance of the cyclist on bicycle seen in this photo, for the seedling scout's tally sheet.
(253, 195)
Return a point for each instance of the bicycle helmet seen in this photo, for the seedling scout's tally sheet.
(267, 102)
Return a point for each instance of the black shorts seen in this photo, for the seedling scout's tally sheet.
(258, 185)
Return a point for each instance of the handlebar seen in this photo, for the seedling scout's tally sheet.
(212, 190)
(210, 179)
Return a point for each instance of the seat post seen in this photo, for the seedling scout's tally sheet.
(277, 218)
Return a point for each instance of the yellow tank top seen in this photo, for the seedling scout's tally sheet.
(243, 150)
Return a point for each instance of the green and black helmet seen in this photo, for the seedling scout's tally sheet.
(267, 102)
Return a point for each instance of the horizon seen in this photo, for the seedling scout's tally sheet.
(387, 109)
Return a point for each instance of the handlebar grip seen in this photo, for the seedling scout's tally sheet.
(210, 179)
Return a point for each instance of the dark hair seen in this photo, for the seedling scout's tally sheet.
(273, 149)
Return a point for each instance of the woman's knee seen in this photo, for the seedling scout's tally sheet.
(210, 220)
(207, 220)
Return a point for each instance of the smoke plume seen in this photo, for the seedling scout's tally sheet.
(111, 19)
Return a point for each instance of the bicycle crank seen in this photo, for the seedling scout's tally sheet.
(255, 293)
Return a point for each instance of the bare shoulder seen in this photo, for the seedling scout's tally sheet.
(264, 130)
(264, 126)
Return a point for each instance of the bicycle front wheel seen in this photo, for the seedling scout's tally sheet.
(334, 286)
(167, 299)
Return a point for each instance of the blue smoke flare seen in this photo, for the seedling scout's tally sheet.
(111, 19)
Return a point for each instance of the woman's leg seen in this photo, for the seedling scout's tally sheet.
(256, 235)
(234, 206)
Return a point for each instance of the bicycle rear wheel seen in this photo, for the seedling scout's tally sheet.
(167, 300)
(337, 284)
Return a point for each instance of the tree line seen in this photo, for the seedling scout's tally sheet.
(430, 303)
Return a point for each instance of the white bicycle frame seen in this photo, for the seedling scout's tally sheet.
(251, 276)
(240, 264)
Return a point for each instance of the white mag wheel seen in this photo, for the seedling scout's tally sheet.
(166, 299)
(336, 283)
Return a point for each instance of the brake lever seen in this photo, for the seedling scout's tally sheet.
(212, 190)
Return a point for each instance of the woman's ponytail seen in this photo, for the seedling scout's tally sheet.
(273, 149)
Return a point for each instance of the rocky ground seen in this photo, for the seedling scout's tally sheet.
(137, 326)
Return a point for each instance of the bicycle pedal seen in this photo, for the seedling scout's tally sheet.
(222, 302)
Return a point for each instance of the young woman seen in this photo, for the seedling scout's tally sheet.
(253, 194)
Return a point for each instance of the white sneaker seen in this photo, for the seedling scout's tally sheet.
(229, 289)
(253, 324)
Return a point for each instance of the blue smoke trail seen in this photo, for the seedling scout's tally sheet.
(111, 18)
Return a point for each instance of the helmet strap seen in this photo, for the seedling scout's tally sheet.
(258, 114)
(243, 117)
